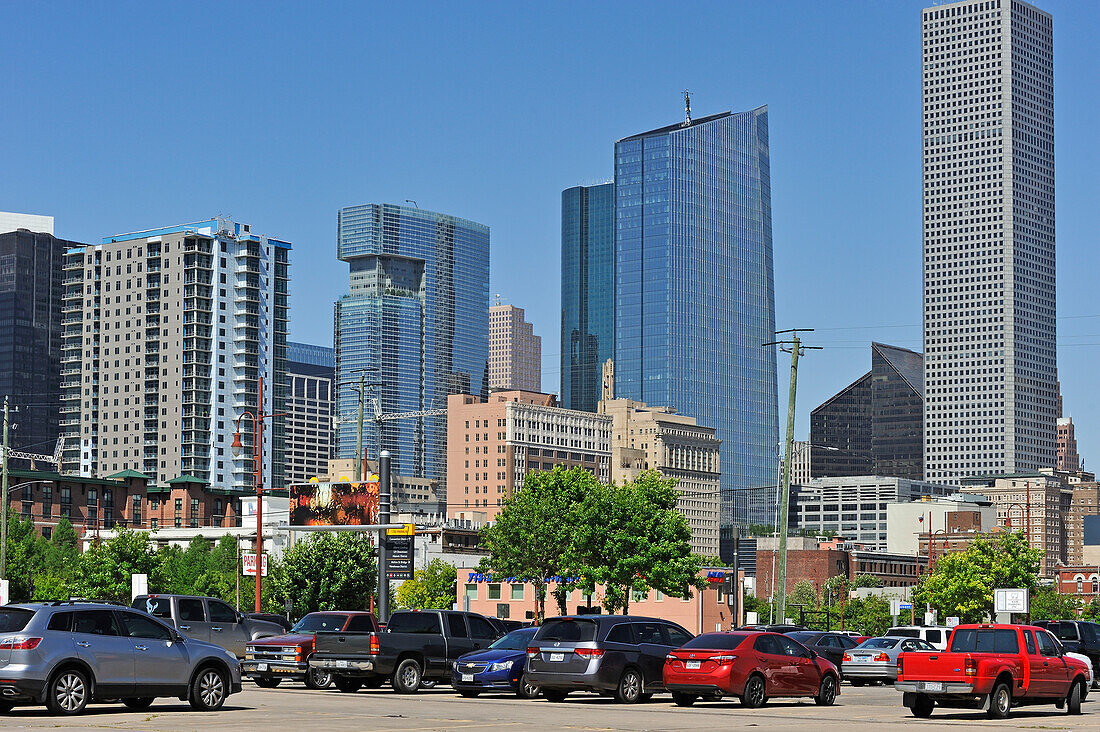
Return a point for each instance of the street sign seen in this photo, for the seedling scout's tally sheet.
(406, 530)
(896, 606)
(399, 557)
(248, 565)
(952, 621)
(1010, 600)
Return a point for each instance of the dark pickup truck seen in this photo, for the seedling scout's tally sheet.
(416, 646)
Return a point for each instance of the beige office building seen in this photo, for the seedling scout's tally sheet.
(515, 352)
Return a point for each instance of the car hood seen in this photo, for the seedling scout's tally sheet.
(492, 655)
(198, 647)
(290, 639)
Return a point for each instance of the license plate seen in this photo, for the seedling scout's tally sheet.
(932, 686)
(261, 667)
(863, 659)
(467, 677)
(557, 656)
(341, 664)
(692, 664)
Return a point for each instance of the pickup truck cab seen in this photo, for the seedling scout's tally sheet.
(992, 666)
(416, 646)
(269, 661)
(936, 636)
(207, 619)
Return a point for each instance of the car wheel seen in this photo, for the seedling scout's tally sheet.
(922, 706)
(318, 679)
(68, 692)
(427, 684)
(630, 687)
(208, 689)
(857, 682)
(525, 689)
(469, 694)
(1073, 701)
(1000, 701)
(554, 695)
(406, 677)
(141, 702)
(266, 682)
(826, 694)
(682, 700)
(346, 685)
(753, 697)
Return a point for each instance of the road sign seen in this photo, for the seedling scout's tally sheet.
(399, 557)
(896, 606)
(406, 530)
(248, 565)
(952, 621)
(1010, 600)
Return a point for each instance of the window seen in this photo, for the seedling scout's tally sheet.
(191, 609)
(792, 647)
(141, 627)
(1046, 644)
(457, 625)
(61, 621)
(517, 592)
(95, 622)
(768, 645)
(677, 636)
(494, 592)
(480, 628)
(648, 633)
(471, 592)
(933, 636)
(360, 624)
(621, 633)
(426, 623)
(1029, 641)
(572, 631)
(220, 612)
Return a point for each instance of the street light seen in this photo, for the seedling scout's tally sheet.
(1027, 510)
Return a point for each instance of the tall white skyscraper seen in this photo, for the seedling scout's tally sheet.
(989, 287)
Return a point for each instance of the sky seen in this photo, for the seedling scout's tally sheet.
(120, 117)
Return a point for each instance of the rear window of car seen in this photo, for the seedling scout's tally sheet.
(807, 638)
(427, 623)
(320, 621)
(1088, 632)
(716, 641)
(879, 643)
(904, 632)
(14, 619)
(161, 607)
(972, 640)
(570, 631)
(933, 636)
(1063, 631)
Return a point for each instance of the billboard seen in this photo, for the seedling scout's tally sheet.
(334, 504)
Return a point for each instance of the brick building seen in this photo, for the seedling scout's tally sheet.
(188, 502)
(515, 352)
(961, 530)
(44, 497)
(1085, 501)
(1082, 581)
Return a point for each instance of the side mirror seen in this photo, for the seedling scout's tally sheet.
(813, 654)
(179, 638)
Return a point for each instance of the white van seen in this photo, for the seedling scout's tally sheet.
(934, 634)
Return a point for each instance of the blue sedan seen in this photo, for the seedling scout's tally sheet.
(497, 668)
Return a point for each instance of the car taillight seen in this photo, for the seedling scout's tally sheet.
(899, 666)
(669, 658)
(723, 659)
(374, 647)
(847, 657)
(970, 667)
(879, 657)
(532, 651)
(589, 652)
(20, 644)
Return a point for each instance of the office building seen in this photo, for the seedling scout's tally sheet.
(587, 292)
(694, 296)
(907, 521)
(493, 444)
(1068, 459)
(817, 561)
(310, 402)
(30, 222)
(414, 325)
(875, 425)
(800, 462)
(1084, 503)
(989, 279)
(515, 352)
(168, 333)
(656, 438)
(30, 336)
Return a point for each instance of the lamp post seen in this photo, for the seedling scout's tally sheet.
(1008, 520)
(930, 541)
(258, 418)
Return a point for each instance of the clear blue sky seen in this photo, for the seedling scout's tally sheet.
(125, 116)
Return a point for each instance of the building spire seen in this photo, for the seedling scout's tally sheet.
(687, 108)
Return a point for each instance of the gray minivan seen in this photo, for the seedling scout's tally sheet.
(621, 655)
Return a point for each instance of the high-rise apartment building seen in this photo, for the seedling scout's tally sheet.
(587, 292)
(989, 280)
(515, 352)
(694, 295)
(310, 420)
(493, 444)
(415, 324)
(30, 336)
(167, 335)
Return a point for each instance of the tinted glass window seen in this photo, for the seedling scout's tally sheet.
(138, 626)
(767, 644)
(621, 633)
(985, 641)
(904, 632)
(321, 621)
(677, 636)
(191, 609)
(1029, 641)
(1088, 632)
(61, 621)
(573, 631)
(933, 636)
(95, 622)
(357, 624)
(879, 643)
(649, 633)
(847, 642)
(716, 641)
(1046, 644)
(414, 623)
(13, 619)
(829, 641)
(808, 639)
(158, 606)
(792, 648)
(221, 613)
(480, 628)
(517, 640)
(1064, 631)
(457, 626)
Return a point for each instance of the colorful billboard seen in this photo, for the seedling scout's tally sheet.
(334, 504)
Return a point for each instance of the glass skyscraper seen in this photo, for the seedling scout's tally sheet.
(587, 292)
(415, 321)
(694, 297)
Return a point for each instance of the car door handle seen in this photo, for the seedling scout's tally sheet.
(216, 628)
(185, 627)
(1045, 663)
(83, 644)
(142, 648)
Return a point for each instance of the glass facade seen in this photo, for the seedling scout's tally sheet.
(415, 321)
(694, 297)
(843, 423)
(587, 292)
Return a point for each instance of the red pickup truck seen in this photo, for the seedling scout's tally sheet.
(1001, 666)
(269, 661)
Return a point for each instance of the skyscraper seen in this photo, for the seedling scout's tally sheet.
(310, 419)
(415, 322)
(167, 333)
(515, 352)
(989, 281)
(694, 299)
(587, 292)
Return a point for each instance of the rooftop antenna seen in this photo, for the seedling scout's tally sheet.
(687, 108)
(498, 299)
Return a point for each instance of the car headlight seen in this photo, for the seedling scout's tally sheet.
(501, 666)
(455, 666)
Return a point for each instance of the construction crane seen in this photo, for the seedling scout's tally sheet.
(33, 457)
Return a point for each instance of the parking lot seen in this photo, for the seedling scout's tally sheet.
(293, 708)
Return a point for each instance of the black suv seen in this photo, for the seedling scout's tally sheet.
(1077, 636)
(622, 655)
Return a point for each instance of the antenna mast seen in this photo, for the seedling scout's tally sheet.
(687, 108)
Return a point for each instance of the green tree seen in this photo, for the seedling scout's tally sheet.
(532, 534)
(1049, 604)
(105, 569)
(631, 538)
(433, 587)
(328, 571)
(804, 594)
(869, 615)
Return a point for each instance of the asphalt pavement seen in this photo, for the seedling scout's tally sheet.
(292, 707)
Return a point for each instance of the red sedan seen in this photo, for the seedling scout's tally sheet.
(749, 665)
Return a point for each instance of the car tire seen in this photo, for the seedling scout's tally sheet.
(1073, 700)
(266, 682)
(525, 689)
(554, 695)
(469, 694)
(922, 706)
(826, 693)
(346, 685)
(318, 679)
(68, 692)
(682, 700)
(141, 702)
(1000, 701)
(754, 696)
(209, 689)
(631, 684)
(427, 684)
(406, 677)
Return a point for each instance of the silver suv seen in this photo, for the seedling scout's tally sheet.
(65, 655)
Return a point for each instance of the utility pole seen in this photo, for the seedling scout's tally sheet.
(795, 349)
(4, 501)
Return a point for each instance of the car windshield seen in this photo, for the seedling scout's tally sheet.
(569, 630)
(514, 641)
(879, 643)
(319, 621)
(716, 641)
(13, 619)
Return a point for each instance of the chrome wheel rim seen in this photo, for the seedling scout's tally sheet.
(529, 689)
(828, 690)
(1002, 700)
(322, 678)
(410, 678)
(632, 686)
(756, 690)
(70, 692)
(211, 688)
